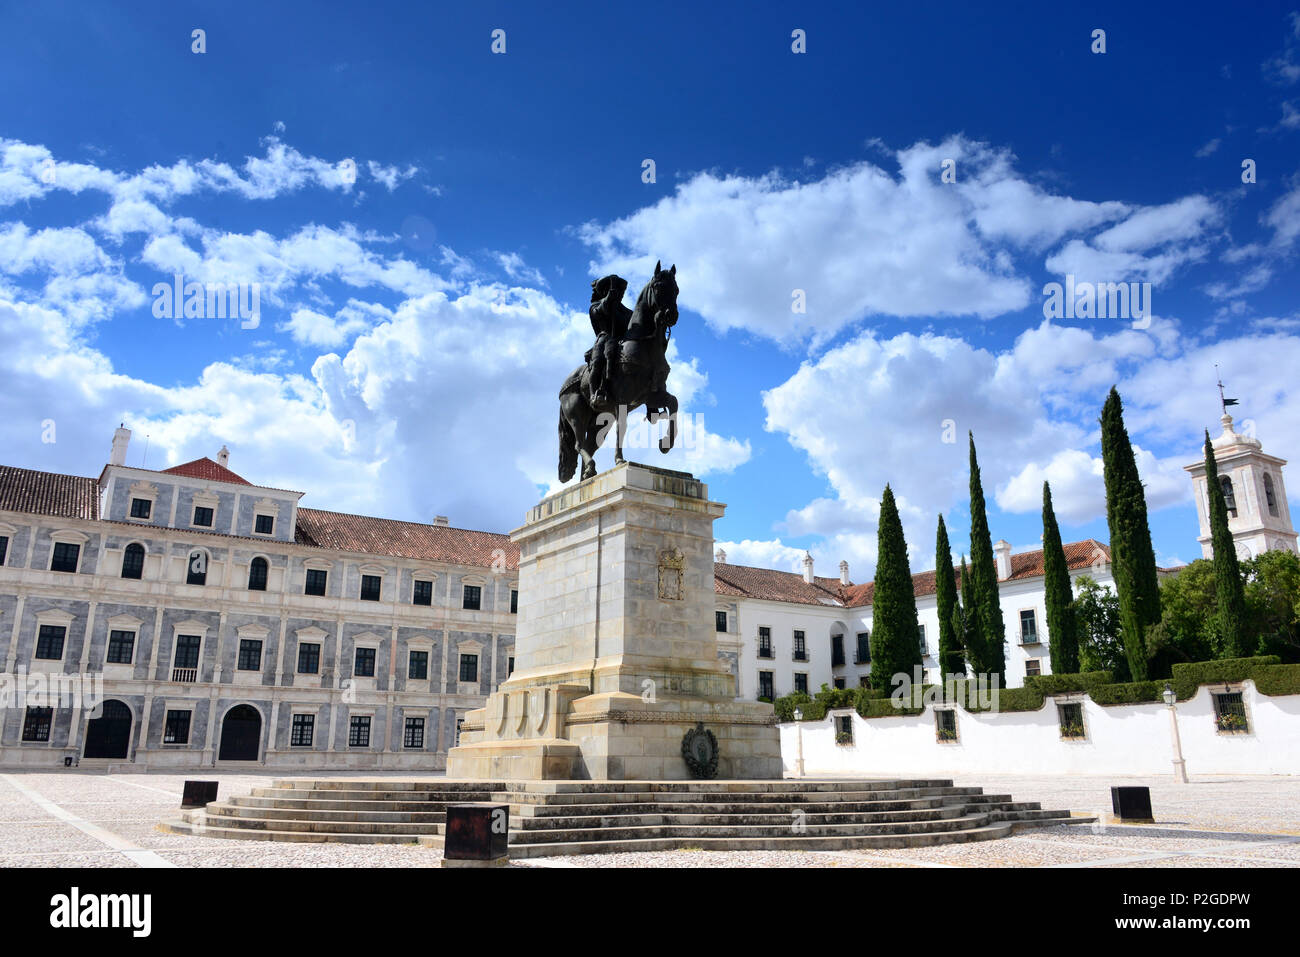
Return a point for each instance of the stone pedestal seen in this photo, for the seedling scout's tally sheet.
(615, 650)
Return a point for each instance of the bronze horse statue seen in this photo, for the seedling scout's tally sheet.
(639, 376)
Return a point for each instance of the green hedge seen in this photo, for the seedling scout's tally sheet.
(1189, 676)
(1062, 684)
(1279, 679)
(1129, 692)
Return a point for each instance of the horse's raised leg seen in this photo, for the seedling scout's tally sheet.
(619, 430)
(666, 442)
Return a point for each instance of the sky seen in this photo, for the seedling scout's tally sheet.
(866, 205)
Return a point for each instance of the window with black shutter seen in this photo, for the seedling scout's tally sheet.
(469, 667)
(418, 666)
(257, 571)
(719, 621)
(36, 724)
(316, 578)
(121, 647)
(423, 594)
(514, 601)
(359, 731)
(176, 729)
(363, 665)
(864, 648)
(304, 726)
(49, 642)
(370, 587)
(473, 598)
(64, 558)
(264, 524)
(202, 516)
(4, 548)
(413, 736)
(141, 508)
(308, 658)
(133, 561)
(250, 654)
(187, 651)
(196, 573)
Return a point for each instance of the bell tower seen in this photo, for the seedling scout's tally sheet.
(1259, 515)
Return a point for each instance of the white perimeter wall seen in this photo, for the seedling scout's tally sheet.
(1121, 739)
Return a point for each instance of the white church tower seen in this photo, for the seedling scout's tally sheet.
(1258, 514)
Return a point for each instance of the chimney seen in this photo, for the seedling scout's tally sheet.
(1002, 558)
(720, 556)
(440, 520)
(223, 457)
(121, 438)
(807, 568)
(844, 573)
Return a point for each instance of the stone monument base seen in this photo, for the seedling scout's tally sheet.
(616, 654)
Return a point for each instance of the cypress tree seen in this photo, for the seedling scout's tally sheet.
(1062, 633)
(951, 661)
(984, 573)
(1230, 596)
(895, 633)
(970, 635)
(1133, 558)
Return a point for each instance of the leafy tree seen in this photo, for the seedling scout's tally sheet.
(1273, 602)
(1230, 597)
(988, 606)
(951, 660)
(1187, 614)
(1133, 557)
(1062, 636)
(1096, 616)
(895, 632)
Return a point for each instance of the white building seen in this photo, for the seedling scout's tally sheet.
(790, 632)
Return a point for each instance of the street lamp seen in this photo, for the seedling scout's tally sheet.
(1180, 766)
(798, 727)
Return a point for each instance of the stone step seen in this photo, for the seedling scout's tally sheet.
(788, 843)
(264, 823)
(384, 784)
(310, 837)
(320, 814)
(686, 831)
(338, 794)
(330, 804)
(757, 797)
(768, 820)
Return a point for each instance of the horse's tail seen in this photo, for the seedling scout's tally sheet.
(568, 448)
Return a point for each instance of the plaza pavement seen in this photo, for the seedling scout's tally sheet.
(92, 819)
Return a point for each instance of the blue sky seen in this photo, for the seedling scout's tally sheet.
(417, 316)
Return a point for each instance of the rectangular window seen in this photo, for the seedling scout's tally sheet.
(304, 726)
(864, 648)
(473, 598)
(250, 654)
(765, 685)
(316, 578)
(920, 637)
(469, 667)
(764, 642)
(308, 658)
(202, 516)
(1028, 628)
(264, 524)
(423, 594)
(359, 731)
(510, 666)
(65, 557)
(49, 642)
(196, 571)
(514, 601)
(187, 651)
(141, 508)
(370, 587)
(363, 665)
(719, 621)
(1230, 712)
(413, 737)
(417, 666)
(133, 561)
(844, 729)
(945, 724)
(864, 681)
(1071, 718)
(801, 682)
(121, 647)
(4, 548)
(800, 647)
(36, 724)
(837, 651)
(839, 682)
(176, 729)
(1033, 667)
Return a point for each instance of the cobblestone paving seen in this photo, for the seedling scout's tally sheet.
(1212, 822)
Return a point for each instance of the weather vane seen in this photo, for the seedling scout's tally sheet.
(1224, 403)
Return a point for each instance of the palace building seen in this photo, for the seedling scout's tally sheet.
(221, 622)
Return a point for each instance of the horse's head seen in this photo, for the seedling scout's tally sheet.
(661, 294)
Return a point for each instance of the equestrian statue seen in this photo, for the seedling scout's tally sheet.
(625, 369)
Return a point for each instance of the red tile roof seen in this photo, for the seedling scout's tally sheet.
(386, 536)
(208, 470)
(48, 493)
(741, 581)
(745, 581)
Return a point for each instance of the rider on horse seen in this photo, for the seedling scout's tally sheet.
(609, 318)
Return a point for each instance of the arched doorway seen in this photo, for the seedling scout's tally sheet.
(109, 735)
(241, 733)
